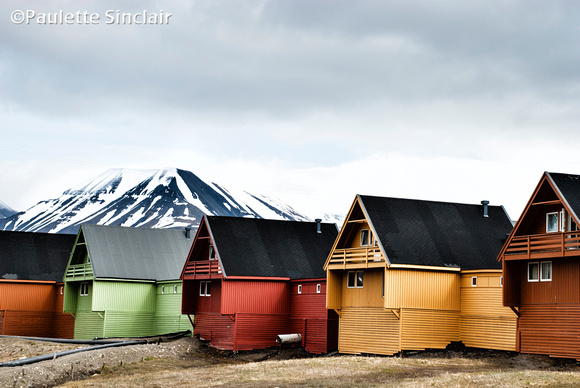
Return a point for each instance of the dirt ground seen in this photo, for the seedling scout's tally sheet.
(188, 362)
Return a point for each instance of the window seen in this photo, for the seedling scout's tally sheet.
(84, 289)
(474, 281)
(533, 272)
(545, 271)
(300, 288)
(364, 237)
(175, 289)
(211, 253)
(318, 288)
(62, 290)
(205, 288)
(552, 222)
(355, 279)
(163, 289)
(501, 281)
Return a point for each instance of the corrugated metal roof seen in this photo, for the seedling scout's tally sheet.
(271, 248)
(136, 253)
(34, 256)
(417, 232)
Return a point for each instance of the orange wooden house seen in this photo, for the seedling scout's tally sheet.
(410, 275)
(31, 290)
(541, 269)
(248, 280)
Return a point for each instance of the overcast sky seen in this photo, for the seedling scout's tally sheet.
(308, 101)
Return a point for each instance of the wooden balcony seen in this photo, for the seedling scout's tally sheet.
(364, 257)
(79, 272)
(540, 246)
(202, 269)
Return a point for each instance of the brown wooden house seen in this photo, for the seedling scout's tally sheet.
(31, 290)
(395, 272)
(541, 269)
(248, 280)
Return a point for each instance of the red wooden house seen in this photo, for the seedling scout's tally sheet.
(31, 290)
(541, 269)
(248, 280)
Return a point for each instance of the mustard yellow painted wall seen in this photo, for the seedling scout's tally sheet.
(368, 296)
(422, 289)
(334, 289)
(368, 330)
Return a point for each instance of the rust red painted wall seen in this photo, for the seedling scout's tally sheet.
(255, 296)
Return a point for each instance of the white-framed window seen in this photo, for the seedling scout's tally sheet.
(61, 290)
(211, 253)
(175, 288)
(571, 225)
(300, 288)
(546, 271)
(318, 288)
(163, 289)
(533, 272)
(474, 281)
(551, 222)
(364, 237)
(84, 289)
(562, 220)
(501, 281)
(205, 288)
(355, 279)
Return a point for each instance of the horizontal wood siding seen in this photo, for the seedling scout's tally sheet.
(422, 289)
(129, 323)
(123, 296)
(216, 328)
(168, 317)
(260, 297)
(550, 329)
(28, 323)
(89, 324)
(64, 326)
(259, 331)
(485, 322)
(27, 296)
(368, 330)
(428, 329)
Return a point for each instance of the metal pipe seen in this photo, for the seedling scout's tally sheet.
(289, 338)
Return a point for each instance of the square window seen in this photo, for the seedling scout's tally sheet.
(546, 271)
(533, 272)
(318, 288)
(364, 237)
(551, 222)
(474, 281)
(300, 288)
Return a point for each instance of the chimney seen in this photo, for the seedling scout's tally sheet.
(188, 232)
(484, 204)
(318, 221)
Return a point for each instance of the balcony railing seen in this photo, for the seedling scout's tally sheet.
(204, 267)
(357, 258)
(544, 245)
(79, 272)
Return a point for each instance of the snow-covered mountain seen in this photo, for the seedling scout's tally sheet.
(167, 198)
(5, 210)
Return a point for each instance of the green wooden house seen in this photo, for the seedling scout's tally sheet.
(124, 282)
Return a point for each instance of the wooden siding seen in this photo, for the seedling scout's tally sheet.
(168, 317)
(27, 296)
(128, 323)
(368, 330)
(334, 289)
(122, 296)
(563, 288)
(550, 329)
(428, 329)
(89, 324)
(258, 331)
(370, 295)
(216, 328)
(422, 289)
(486, 332)
(37, 324)
(260, 297)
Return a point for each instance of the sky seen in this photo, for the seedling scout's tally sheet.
(311, 102)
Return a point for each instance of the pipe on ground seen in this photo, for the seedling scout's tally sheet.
(289, 338)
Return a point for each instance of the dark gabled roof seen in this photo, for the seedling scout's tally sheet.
(271, 248)
(569, 186)
(429, 233)
(136, 253)
(34, 256)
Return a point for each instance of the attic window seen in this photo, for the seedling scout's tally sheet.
(364, 237)
(318, 288)
(552, 222)
(211, 253)
(300, 288)
(474, 281)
